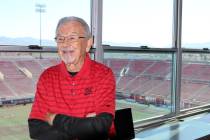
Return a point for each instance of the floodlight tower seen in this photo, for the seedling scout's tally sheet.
(40, 8)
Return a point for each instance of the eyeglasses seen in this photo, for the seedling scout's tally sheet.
(71, 38)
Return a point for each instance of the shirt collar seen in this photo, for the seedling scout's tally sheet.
(82, 74)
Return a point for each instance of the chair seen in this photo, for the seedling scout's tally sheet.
(207, 137)
(124, 125)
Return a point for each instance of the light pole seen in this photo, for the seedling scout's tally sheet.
(40, 8)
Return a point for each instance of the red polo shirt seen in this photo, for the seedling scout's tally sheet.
(92, 90)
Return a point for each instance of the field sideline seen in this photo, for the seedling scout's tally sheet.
(13, 119)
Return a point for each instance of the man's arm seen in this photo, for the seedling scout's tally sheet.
(41, 130)
(93, 128)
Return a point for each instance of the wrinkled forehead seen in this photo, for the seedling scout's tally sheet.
(72, 27)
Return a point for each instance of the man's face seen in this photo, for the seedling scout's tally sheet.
(72, 43)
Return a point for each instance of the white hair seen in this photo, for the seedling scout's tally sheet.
(73, 18)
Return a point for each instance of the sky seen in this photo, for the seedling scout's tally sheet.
(134, 22)
(20, 19)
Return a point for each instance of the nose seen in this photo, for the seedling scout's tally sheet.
(65, 45)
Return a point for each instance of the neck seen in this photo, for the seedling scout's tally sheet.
(75, 67)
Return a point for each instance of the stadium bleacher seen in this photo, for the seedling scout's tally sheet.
(5, 92)
(152, 79)
(21, 85)
(160, 68)
(34, 67)
(19, 76)
(117, 65)
(196, 71)
(47, 62)
(135, 82)
(163, 90)
(137, 67)
(138, 80)
(203, 95)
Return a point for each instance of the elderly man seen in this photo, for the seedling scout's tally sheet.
(75, 100)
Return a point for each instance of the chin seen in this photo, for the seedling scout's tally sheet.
(69, 62)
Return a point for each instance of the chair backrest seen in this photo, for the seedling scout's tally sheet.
(124, 124)
(207, 137)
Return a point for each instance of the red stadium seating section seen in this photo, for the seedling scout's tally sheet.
(15, 83)
(140, 80)
(151, 79)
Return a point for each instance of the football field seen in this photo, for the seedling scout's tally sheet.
(13, 122)
(140, 111)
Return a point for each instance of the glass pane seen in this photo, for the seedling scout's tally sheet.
(195, 90)
(138, 23)
(143, 82)
(19, 73)
(196, 21)
(20, 20)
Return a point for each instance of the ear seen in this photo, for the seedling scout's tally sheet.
(89, 44)
(58, 51)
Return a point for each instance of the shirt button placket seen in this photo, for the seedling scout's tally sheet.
(73, 90)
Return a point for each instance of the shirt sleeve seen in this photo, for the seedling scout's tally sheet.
(94, 128)
(40, 107)
(41, 130)
(105, 97)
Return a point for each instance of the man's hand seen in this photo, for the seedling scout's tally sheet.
(50, 117)
(93, 114)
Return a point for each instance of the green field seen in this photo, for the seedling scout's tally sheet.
(140, 111)
(13, 122)
(13, 119)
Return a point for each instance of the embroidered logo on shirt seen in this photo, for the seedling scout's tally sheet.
(88, 91)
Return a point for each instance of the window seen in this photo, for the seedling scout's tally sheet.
(143, 81)
(196, 21)
(138, 23)
(195, 89)
(195, 66)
